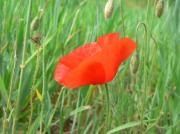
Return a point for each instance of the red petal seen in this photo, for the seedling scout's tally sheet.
(73, 59)
(78, 55)
(108, 39)
(101, 67)
(61, 71)
(89, 72)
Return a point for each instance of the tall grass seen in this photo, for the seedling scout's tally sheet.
(31, 101)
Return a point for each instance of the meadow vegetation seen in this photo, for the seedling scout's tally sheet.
(34, 34)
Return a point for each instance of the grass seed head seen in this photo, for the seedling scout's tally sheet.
(109, 7)
(134, 64)
(159, 8)
(35, 23)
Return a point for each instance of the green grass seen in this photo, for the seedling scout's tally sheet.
(30, 99)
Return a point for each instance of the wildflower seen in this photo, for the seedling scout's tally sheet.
(109, 9)
(94, 63)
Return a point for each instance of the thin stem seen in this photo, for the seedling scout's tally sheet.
(12, 76)
(22, 68)
(8, 107)
(177, 10)
(145, 30)
(43, 70)
(45, 44)
(108, 106)
(75, 116)
(144, 67)
(32, 90)
(61, 112)
(4, 121)
(147, 10)
(122, 17)
(55, 108)
(43, 89)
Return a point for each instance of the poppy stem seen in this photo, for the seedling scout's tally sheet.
(144, 53)
(108, 106)
(145, 31)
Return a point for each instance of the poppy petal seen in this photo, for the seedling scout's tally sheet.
(74, 58)
(94, 63)
(90, 72)
(101, 67)
(61, 71)
(80, 54)
(108, 39)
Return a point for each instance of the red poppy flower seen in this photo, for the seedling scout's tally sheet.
(94, 63)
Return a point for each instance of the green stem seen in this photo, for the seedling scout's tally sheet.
(4, 122)
(147, 13)
(9, 106)
(76, 115)
(122, 15)
(144, 51)
(43, 89)
(108, 107)
(54, 110)
(145, 31)
(13, 71)
(61, 123)
(22, 68)
(32, 91)
(45, 44)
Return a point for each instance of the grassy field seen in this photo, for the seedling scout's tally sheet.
(147, 102)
